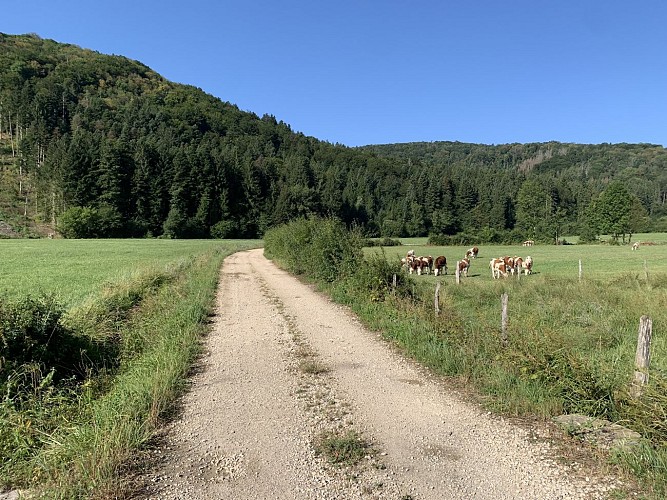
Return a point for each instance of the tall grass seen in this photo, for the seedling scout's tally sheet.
(171, 324)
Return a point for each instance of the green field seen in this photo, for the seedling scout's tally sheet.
(598, 261)
(72, 269)
(599, 315)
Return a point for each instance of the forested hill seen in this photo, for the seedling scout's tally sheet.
(103, 142)
(100, 146)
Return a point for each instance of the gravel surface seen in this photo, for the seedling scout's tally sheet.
(283, 365)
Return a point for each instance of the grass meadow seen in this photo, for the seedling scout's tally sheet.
(597, 315)
(140, 308)
(73, 269)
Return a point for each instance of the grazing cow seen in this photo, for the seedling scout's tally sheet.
(427, 264)
(472, 253)
(424, 264)
(498, 268)
(635, 245)
(440, 264)
(528, 243)
(528, 265)
(464, 265)
(509, 263)
(414, 265)
(420, 265)
(518, 265)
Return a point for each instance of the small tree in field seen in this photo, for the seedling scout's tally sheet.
(612, 210)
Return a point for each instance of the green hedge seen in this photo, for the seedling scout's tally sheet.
(321, 249)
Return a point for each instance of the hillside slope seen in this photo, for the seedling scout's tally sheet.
(102, 146)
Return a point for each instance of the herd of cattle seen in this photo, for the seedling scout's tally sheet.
(500, 267)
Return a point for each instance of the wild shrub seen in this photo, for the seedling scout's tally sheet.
(31, 333)
(382, 242)
(40, 362)
(87, 222)
(374, 279)
(322, 249)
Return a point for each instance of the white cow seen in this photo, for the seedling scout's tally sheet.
(528, 265)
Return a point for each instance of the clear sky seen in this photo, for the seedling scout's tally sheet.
(360, 72)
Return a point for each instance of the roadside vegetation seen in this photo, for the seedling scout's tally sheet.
(571, 342)
(83, 386)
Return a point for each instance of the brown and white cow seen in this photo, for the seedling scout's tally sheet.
(498, 268)
(408, 261)
(518, 265)
(528, 265)
(635, 245)
(528, 243)
(472, 253)
(420, 265)
(440, 265)
(426, 264)
(464, 265)
(414, 265)
(509, 263)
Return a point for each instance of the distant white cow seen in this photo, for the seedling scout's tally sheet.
(635, 245)
(528, 265)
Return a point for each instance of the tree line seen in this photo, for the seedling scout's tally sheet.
(102, 146)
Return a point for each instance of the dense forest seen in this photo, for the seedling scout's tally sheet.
(101, 146)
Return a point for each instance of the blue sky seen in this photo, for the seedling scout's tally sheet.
(376, 72)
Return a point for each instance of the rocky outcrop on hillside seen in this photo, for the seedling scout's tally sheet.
(7, 231)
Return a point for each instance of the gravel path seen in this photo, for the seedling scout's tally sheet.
(283, 365)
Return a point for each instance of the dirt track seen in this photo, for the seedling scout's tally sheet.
(283, 365)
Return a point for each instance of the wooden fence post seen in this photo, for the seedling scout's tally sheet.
(437, 298)
(580, 270)
(458, 273)
(504, 300)
(643, 355)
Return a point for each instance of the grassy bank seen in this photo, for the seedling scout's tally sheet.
(571, 342)
(72, 439)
